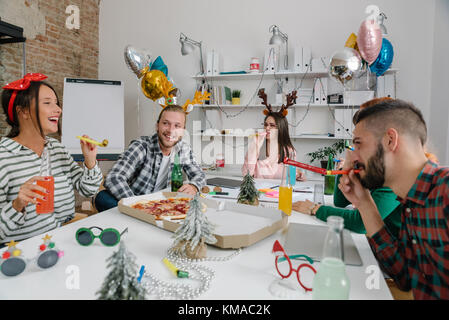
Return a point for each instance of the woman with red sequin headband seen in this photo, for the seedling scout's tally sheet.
(269, 164)
(28, 155)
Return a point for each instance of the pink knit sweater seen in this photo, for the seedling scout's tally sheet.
(268, 168)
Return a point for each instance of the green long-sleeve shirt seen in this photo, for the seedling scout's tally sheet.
(389, 209)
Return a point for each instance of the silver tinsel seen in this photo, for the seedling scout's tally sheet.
(179, 289)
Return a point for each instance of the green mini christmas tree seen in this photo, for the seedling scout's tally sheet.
(121, 282)
(248, 192)
(191, 237)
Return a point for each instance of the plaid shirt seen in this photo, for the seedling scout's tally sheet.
(136, 171)
(419, 258)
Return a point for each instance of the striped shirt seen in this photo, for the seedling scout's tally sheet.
(17, 165)
(135, 173)
(418, 258)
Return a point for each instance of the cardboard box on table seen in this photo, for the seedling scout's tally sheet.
(236, 225)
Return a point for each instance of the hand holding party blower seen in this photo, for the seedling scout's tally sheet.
(317, 169)
(101, 144)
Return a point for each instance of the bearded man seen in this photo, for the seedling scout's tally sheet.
(389, 141)
(146, 166)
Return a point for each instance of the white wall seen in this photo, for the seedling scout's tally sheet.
(439, 115)
(239, 30)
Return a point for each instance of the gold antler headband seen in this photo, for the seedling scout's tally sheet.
(169, 93)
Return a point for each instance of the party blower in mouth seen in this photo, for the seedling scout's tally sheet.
(101, 144)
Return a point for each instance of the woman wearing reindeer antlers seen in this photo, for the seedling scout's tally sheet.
(267, 149)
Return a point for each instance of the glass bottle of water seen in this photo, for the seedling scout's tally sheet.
(331, 281)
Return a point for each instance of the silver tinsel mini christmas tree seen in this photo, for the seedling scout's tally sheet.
(191, 236)
(121, 282)
(248, 192)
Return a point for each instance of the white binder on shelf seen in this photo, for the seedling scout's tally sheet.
(297, 59)
(213, 63)
(390, 88)
(317, 91)
(339, 123)
(306, 59)
(271, 60)
(380, 88)
(302, 59)
(323, 92)
(209, 63)
(348, 114)
(320, 91)
(216, 66)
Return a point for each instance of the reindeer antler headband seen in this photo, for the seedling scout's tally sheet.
(291, 100)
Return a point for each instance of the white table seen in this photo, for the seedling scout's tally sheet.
(246, 276)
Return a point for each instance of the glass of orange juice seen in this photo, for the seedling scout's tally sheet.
(285, 192)
(47, 205)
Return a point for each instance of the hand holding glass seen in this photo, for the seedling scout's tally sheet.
(47, 204)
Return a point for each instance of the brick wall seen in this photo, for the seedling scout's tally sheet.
(51, 48)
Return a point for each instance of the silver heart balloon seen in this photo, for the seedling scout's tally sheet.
(344, 64)
(136, 59)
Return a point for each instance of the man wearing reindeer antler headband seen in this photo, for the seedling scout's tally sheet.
(147, 164)
(268, 164)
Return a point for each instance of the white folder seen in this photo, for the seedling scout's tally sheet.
(216, 66)
(339, 123)
(323, 92)
(271, 61)
(348, 114)
(380, 91)
(209, 63)
(306, 59)
(390, 89)
(317, 91)
(298, 67)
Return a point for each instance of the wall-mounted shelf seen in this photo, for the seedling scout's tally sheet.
(262, 106)
(266, 75)
(10, 33)
(282, 74)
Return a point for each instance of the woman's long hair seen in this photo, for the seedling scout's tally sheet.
(285, 146)
(23, 100)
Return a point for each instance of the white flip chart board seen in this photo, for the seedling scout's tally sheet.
(95, 108)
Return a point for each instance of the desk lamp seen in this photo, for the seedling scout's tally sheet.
(187, 47)
(279, 37)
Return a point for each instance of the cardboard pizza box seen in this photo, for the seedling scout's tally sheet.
(236, 225)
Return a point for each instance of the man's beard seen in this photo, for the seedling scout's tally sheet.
(374, 171)
(172, 143)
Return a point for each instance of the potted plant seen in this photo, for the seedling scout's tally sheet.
(236, 97)
(322, 154)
